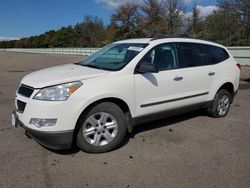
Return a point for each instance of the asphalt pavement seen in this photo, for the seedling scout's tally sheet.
(189, 150)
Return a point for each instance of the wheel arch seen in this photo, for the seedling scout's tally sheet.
(119, 102)
(229, 87)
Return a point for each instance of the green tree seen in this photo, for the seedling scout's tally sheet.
(62, 38)
(90, 33)
(224, 25)
(243, 7)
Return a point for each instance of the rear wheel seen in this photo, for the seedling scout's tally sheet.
(221, 104)
(102, 129)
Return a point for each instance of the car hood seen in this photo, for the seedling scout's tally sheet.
(61, 74)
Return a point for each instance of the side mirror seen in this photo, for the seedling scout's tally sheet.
(146, 67)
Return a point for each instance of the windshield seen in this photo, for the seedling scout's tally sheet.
(114, 56)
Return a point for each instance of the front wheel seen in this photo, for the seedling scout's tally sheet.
(102, 129)
(221, 104)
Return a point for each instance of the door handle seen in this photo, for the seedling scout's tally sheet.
(211, 73)
(178, 78)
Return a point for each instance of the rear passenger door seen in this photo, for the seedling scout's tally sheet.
(197, 68)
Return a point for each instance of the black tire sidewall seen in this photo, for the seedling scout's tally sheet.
(117, 113)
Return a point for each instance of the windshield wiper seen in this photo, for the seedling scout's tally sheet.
(91, 66)
(94, 66)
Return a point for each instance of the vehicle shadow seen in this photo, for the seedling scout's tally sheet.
(163, 122)
(70, 151)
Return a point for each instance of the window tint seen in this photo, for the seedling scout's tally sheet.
(193, 54)
(217, 54)
(163, 56)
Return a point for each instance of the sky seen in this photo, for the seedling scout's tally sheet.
(25, 18)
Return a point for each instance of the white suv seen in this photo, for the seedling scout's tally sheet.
(94, 103)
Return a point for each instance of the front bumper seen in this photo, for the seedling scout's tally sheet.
(53, 140)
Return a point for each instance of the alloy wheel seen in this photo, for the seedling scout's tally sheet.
(100, 129)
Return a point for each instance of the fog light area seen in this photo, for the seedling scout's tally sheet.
(43, 122)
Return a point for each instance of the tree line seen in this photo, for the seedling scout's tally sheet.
(228, 25)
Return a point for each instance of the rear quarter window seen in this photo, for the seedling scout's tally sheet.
(217, 54)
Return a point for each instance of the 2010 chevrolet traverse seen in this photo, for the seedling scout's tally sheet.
(94, 103)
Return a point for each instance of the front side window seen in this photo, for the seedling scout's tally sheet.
(162, 56)
(114, 56)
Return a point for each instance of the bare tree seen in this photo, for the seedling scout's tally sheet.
(154, 17)
(174, 15)
(195, 18)
(194, 21)
(126, 18)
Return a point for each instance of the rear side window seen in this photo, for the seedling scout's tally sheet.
(195, 54)
(192, 55)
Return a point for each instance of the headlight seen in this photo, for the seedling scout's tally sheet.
(58, 93)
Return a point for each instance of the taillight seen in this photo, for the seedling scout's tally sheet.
(238, 65)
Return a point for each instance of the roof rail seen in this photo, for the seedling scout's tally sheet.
(170, 36)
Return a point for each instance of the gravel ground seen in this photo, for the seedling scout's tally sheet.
(190, 150)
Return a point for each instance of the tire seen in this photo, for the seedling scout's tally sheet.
(102, 128)
(221, 104)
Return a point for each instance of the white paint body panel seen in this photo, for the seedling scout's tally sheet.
(162, 87)
(61, 74)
